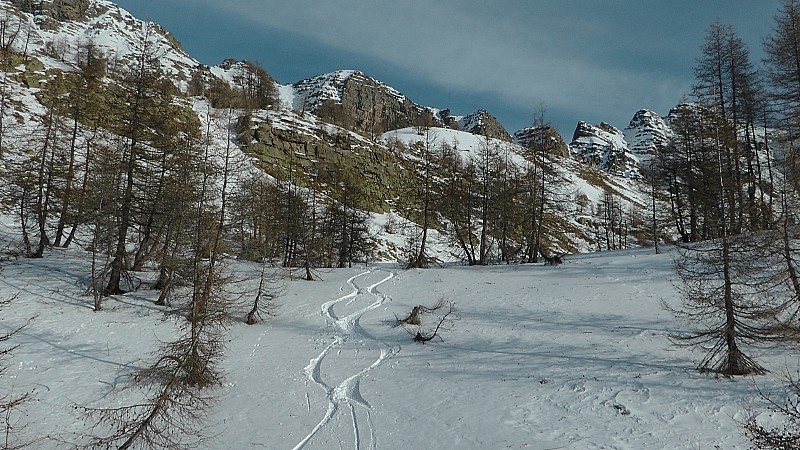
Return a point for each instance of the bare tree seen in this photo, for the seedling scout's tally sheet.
(171, 414)
(421, 197)
(785, 406)
(177, 386)
(726, 297)
(263, 304)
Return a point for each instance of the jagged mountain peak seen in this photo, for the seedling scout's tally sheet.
(647, 133)
(482, 123)
(603, 146)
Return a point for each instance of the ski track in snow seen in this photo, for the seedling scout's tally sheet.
(346, 395)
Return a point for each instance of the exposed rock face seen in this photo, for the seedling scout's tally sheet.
(647, 133)
(285, 142)
(55, 10)
(482, 123)
(543, 134)
(353, 100)
(604, 146)
(447, 120)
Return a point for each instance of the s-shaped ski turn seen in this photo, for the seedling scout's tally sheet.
(346, 407)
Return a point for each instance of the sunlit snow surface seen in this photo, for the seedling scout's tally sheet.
(569, 357)
(574, 356)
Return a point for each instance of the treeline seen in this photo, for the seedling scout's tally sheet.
(119, 164)
(491, 205)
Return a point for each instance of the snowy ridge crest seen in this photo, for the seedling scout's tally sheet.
(603, 146)
(647, 133)
(329, 86)
(113, 31)
(312, 92)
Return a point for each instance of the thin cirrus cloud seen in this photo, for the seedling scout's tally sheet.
(584, 59)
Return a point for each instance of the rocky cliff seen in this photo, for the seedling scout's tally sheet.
(353, 100)
(285, 143)
(56, 10)
(604, 147)
(647, 133)
(484, 124)
(543, 134)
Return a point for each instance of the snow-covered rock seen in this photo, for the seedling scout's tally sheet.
(354, 100)
(604, 146)
(647, 133)
(545, 133)
(484, 124)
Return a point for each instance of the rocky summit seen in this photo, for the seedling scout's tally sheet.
(647, 133)
(604, 147)
(484, 124)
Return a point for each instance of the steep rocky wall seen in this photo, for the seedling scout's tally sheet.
(377, 108)
(546, 133)
(54, 10)
(329, 154)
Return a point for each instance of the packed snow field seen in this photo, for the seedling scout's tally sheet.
(575, 356)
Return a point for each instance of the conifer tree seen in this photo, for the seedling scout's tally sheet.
(421, 197)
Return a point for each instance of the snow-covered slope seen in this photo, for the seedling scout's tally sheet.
(111, 29)
(576, 179)
(570, 357)
(470, 146)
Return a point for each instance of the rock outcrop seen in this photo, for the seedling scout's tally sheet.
(286, 143)
(49, 13)
(353, 100)
(484, 124)
(603, 146)
(647, 133)
(543, 134)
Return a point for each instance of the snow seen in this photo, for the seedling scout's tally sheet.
(570, 357)
(646, 134)
(575, 356)
(329, 87)
(116, 33)
(323, 87)
(288, 98)
(470, 145)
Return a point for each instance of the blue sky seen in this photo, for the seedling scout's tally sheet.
(581, 59)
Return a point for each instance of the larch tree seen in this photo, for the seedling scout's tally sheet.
(459, 200)
(421, 197)
(728, 84)
(783, 66)
(145, 117)
(725, 293)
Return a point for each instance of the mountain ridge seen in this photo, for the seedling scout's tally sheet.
(345, 120)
